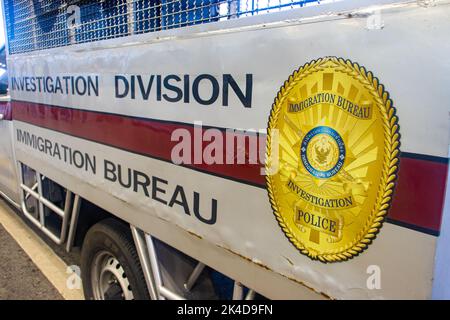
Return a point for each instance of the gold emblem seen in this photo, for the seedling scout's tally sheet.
(338, 148)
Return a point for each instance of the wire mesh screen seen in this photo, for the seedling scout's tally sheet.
(41, 24)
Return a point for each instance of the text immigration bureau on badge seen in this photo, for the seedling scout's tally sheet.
(337, 160)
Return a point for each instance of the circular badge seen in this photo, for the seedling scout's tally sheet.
(332, 157)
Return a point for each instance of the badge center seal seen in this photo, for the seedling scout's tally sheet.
(323, 152)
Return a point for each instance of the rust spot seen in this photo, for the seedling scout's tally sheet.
(245, 258)
(194, 234)
(292, 279)
(288, 260)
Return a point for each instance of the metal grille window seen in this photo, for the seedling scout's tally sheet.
(41, 24)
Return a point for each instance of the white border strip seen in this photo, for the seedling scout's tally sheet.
(441, 281)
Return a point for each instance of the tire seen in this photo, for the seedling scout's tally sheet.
(109, 260)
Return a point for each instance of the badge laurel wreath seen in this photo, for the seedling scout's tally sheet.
(390, 161)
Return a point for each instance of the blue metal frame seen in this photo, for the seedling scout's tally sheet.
(41, 24)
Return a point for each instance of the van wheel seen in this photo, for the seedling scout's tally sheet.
(110, 267)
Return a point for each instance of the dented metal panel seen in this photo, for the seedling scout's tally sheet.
(111, 110)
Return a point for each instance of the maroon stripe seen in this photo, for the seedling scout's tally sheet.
(148, 137)
(5, 110)
(419, 194)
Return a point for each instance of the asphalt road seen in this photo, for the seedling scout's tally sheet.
(19, 277)
(32, 266)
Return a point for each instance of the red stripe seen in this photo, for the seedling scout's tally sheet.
(419, 194)
(143, 136)
(5, 110)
